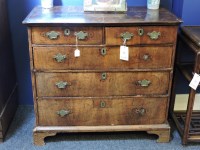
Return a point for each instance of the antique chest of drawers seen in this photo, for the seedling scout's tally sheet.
(82, 84)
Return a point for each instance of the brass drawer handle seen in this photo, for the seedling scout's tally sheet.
(143, 83)
(103, 51)
(81, 35)
(140, 32)
(154, 35)
(59, 57)
(140, 111)
(62, 84)
(126, 36)
(63, 113)
(146, 57)
(53, 35)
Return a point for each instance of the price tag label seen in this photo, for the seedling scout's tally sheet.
(195, 81)
(124, 53)
(77, 53)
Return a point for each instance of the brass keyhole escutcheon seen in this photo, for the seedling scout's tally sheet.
(103, 76)
(102, 104)
(140, 32)
(67, 32)
(103, 51)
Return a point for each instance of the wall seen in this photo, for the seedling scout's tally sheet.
(188, 10)
(177, 7)
(18, 10)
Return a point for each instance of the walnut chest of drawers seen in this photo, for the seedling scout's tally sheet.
(97, 91)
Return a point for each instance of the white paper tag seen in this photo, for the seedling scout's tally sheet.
(195, 81)
(77, 53)
(124, 53)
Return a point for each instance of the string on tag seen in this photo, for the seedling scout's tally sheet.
(124, 43)
(76, 42)
(77, 51)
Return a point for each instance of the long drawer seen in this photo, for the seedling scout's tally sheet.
(99, 111)
(67, 35)
(99, 58)
(140, 35)
(102, 83)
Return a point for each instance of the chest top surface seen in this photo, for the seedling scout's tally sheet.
(70, 15)
(193, 33)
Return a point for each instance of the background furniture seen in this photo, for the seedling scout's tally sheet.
(98, 92)
(8, 85)
(188, 122)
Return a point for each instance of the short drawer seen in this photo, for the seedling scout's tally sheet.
(66, 35)
(99, 58)
(102, 84)
(140, 35)
(103, 111)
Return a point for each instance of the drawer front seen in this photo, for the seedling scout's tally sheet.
(86, 112)
(140, 35)
(99, 58)
(66, 35)
(102, 84)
